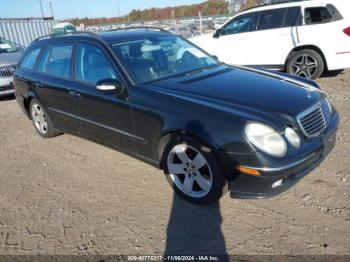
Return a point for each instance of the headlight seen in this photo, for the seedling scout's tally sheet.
(266, 139)
(292, 137)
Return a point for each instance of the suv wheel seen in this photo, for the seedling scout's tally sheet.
(305, 63)
(41, 120)
(193, 172)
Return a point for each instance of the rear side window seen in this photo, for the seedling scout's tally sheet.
(335, 13)
(92, 65)
(317, 15)
(56, 60)
(29, 60)
(293, 17)
(271, 19)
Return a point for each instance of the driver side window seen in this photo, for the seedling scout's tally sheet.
(92, 65)
(241, 24)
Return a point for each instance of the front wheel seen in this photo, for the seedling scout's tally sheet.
(193, 171)
(305, 63)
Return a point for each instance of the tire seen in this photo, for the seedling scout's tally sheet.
(305, 63)
(193, 170)
(41, 121)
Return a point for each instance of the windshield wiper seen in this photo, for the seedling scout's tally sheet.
(192, 72)
(199, 70)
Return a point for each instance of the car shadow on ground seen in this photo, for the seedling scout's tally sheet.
(335, 73)
(195, 230)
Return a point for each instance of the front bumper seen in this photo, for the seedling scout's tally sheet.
(6, 86)
(277, 180)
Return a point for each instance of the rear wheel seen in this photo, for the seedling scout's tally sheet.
(305, 63)
(41, 120)
(193, 171)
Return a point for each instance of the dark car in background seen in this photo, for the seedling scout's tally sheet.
(159, 98)
(9, 57)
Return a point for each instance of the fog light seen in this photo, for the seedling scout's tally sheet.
(278, 183)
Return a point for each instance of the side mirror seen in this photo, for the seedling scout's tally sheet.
(215, 57)
(217, 33)
(110, 85)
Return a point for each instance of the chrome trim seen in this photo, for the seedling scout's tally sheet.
(7, 71)
(281, 168)
(99, 125)
(313, 109)
(301, 84)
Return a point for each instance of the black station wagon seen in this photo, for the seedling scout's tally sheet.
(155, 96)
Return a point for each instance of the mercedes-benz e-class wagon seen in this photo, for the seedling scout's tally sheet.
(159, 98)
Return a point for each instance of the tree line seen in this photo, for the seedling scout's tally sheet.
(207, 8)
(211, 7)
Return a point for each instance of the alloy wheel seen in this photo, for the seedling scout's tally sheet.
(39, 118)
(189, 171)
(304, 65)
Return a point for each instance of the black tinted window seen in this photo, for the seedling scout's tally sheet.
(29, 60)
(92, 65)
(335, 13)
(241, 24)
(293, 17)
(56, 60)
(271, 19)
(317, 15)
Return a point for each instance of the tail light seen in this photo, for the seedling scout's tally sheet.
(347, 31)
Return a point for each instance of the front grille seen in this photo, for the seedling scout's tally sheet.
(7, 71)
(315, 120)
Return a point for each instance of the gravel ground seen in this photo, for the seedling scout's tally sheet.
(67, 195)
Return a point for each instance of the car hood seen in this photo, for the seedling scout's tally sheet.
(9, 58)
(255, 89)
(202, 39)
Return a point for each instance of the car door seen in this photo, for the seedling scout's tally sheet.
(51, 80)
(22, 77)
(275, 36)
(231, 42)
(104, 116)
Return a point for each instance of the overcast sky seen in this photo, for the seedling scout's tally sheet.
(81, 8)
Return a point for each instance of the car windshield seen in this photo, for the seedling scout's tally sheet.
(149, 60)
(6, 46)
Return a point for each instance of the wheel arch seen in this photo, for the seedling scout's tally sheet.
(167, 135)
(303, 47)
(30, 96)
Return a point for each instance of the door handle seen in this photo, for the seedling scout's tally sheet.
(74, 93)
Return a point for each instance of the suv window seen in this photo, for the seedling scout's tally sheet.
(29, 60)
(271, 19)
(335, 13)
(56, 60)
(317, 15)
(92, 65)
(241, 24)
(293, 17)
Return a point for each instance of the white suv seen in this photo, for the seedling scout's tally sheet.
(303, 38)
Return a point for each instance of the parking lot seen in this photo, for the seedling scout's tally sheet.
(67, 195)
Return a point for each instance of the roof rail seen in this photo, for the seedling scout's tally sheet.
(138, 27)
(276, 2)
(65, 34)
